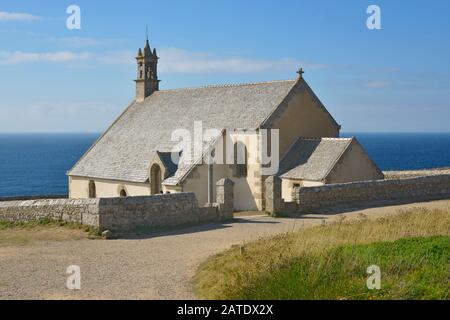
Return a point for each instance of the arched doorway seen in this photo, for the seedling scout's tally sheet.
(92, 190)
(155, 179)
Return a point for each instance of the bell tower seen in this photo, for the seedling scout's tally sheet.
(147, 72)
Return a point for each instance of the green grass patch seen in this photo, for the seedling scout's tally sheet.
(415, 268)
(330, 261)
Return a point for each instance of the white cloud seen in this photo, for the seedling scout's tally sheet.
(85, 42)
(385, 70)
(175, 60)
(57, 116)
(377, 84)
(18, 57)
(117, 57)
(67, 108)
(16, 16)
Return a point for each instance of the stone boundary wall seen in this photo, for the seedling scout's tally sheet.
(381, 191)
(357, 194)
(392, 175)
(84, 211)
(123, 214)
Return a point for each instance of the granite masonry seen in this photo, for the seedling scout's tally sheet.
(82, 211)
(357, 194)
(122, 214)
(392, 175)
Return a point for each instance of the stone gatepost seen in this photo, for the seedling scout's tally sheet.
(274, 200)
(225, 200)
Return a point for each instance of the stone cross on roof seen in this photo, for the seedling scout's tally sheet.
(300, 73)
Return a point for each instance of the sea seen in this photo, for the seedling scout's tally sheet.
(36, 164)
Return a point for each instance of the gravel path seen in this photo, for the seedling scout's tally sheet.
(157, 267)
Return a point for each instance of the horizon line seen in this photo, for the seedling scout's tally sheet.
(100, 132)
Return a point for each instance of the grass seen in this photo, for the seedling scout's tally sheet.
(14, 240)
(330, 261)
(413, 268)
(23, 233)
(50, 223)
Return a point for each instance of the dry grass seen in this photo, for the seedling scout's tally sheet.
(19, 234)
(228, 274)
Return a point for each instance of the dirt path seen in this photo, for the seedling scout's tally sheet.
(157, 267)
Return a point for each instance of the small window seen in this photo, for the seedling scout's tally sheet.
(92, 190)
(123, 193)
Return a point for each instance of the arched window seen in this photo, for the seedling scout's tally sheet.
(155, 179)
(240, 159)
(141, 75)
(123, 193)
(92, 189)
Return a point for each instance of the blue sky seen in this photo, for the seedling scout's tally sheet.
(57, 80)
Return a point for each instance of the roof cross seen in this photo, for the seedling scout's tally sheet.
(300, 73)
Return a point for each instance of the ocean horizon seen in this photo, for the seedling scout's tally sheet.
(36, 163)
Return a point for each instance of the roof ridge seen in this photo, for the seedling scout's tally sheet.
(228, 85)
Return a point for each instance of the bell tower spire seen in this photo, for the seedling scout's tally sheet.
(147, 71)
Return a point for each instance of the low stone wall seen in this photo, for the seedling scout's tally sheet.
(154, 211)
(122, 214)
(84, 211)
(393, 175)
(374, 192)
(357, 194)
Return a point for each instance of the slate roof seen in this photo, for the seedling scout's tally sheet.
(184, 166)
(125, 150)
(313, 159)
(166, 158)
